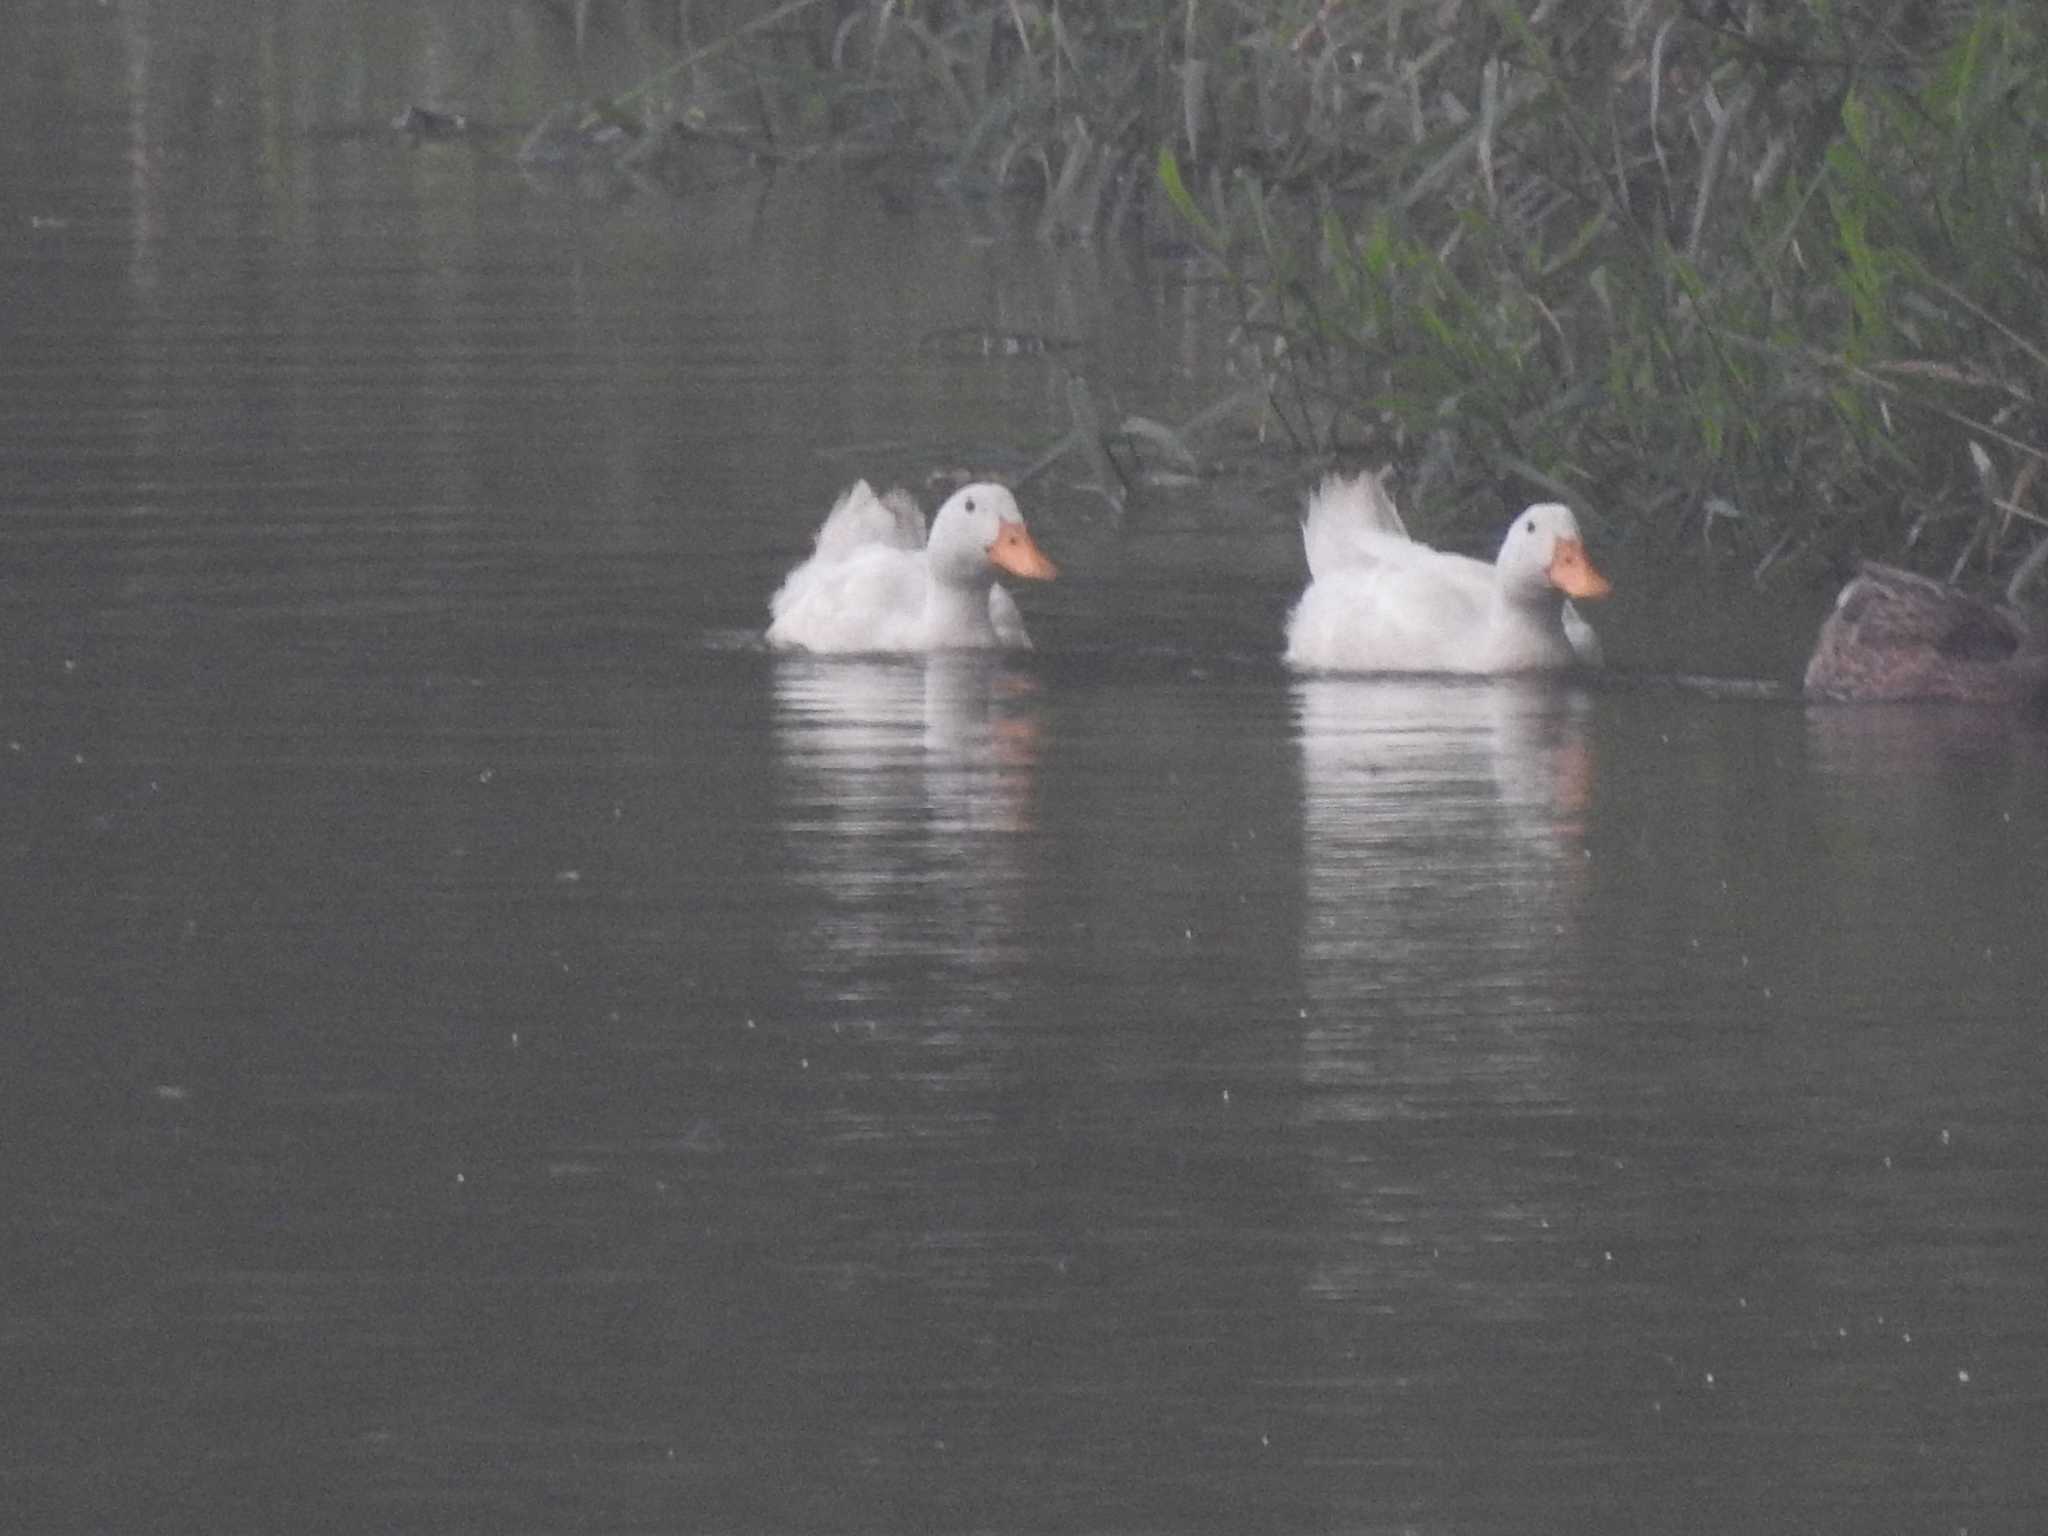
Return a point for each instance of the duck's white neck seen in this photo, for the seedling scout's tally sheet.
(1527, 628)
(1519, 597)
(956, 614)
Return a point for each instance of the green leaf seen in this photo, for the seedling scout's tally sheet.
(1184, 203)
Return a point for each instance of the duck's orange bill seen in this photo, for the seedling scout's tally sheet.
(1014, 551)
(1573, 574)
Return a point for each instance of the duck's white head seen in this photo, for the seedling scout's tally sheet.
(980, 531)
(1545, 555)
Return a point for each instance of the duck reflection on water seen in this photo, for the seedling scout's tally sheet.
(909, 797)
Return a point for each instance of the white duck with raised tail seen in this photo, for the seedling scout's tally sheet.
(1377, 601)
(876, 582)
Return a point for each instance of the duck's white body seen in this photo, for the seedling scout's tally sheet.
(1377, 601)
(876, 582)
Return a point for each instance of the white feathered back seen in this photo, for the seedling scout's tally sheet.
(1345, 519)
(861, 517)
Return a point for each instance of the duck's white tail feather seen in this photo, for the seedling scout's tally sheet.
(861, 517)
(1349, 522)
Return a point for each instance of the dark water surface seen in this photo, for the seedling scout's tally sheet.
(490, 1049)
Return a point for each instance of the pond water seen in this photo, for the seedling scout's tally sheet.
(490, 1048)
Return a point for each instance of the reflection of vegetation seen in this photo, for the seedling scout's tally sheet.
(1766, 277)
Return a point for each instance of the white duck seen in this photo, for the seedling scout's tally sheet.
(876, 582)
(1377, 601)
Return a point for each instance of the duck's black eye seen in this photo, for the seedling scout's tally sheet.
(970, 503)
(1529, 526)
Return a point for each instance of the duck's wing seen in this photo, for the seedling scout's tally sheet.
(870, 599)
(1352, 523)
(1428, 615)
(861, 518)
(1888, 609)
